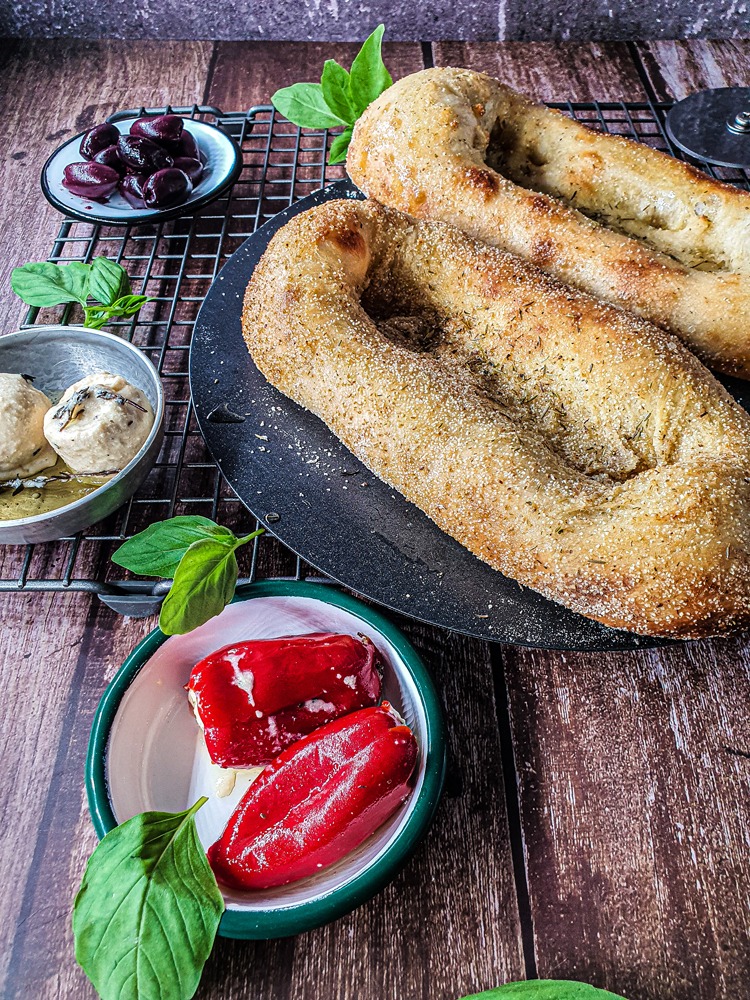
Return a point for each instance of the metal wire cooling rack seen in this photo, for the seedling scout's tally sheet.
(174, 263)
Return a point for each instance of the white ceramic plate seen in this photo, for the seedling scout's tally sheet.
(154, 756)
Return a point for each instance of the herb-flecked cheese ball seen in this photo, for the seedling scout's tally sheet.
(100, 424)
(23, 448)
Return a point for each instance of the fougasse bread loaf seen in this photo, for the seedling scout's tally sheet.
(572, 446)
(611, 216)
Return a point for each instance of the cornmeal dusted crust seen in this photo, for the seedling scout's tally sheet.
(570, 445)
(608, 215)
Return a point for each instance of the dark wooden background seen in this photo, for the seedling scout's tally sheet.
(596, 822)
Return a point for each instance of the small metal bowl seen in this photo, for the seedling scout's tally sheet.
(146, 751)
(56, 356)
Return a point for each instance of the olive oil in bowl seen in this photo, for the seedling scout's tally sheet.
(55, 487)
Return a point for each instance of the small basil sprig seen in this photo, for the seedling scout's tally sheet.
(103, 280)
(148, 909)
(545, 989)
(198, 555)
(340, 98)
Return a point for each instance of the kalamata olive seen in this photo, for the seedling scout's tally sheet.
(164, 129)
(110, 158)
(187, 146)
(131, 186)
(97, 139)
(193, 168)
(142, 155)
(167, 187)
(90, 180)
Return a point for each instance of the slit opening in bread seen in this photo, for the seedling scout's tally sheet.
(528, 380)
(659, 223)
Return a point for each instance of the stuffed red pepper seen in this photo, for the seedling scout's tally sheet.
(255, 698)
(317, 801)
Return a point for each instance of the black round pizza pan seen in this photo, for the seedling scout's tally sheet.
(704, 126)
(311, 492)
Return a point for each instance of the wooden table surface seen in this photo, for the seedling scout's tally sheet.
(595, 824)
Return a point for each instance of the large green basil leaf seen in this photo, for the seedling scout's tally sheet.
(337, 91)
(157, 551)
(127, 305)
(339, 147)
(545, 989)
(108, 281)
(148, 909)
(203, 585)
(44, 284)
(198, 555)
(304, 105)
(369, 77)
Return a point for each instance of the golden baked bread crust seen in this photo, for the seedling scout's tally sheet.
(572, 446)
(606, 214)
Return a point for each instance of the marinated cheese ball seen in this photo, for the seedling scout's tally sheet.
(100, 424)
(24, 450)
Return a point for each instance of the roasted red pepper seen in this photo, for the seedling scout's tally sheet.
(255, 698)
(317, 801)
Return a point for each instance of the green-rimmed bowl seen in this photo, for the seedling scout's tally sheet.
(146, 751)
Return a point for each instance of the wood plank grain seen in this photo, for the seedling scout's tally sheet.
(676, 69)
(37, 679)
(247, 73)
(635, 794)
(551, 71)
(59, 88)
(448, 925)
(41, 962)
(634, 815)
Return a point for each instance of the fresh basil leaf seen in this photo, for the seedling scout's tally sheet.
(340, 97)
(199, 555)
(128, 305)
(108, 281)
(339, 147)
(95, 318)
(545, 989)
(148, 909)
(203, 585)
(369, 77)
(304, 105)
(157, 551)
(337, 92)
(45, 284)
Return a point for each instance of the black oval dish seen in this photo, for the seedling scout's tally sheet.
(222, 166)
(295, 475)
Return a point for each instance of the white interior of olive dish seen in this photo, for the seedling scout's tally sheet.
(156, 757)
